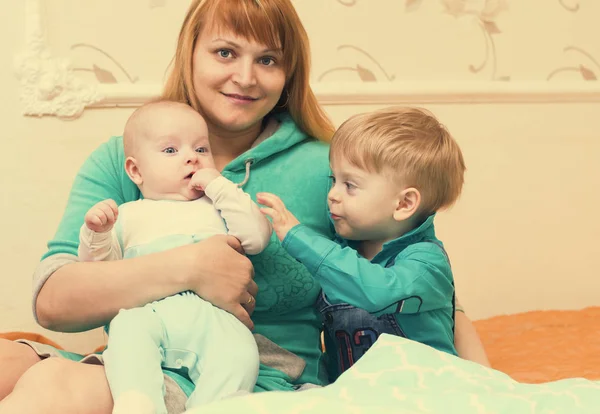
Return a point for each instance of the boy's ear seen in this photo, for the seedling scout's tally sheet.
(133, 171)
(409, 201)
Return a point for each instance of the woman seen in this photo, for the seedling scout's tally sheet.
(244, 65)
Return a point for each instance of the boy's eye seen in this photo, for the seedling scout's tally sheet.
(169, 150)
(350, 186)
(332, 178)
(202, 150)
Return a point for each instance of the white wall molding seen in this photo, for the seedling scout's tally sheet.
(449, 92)
(380, 93)
(48, 85)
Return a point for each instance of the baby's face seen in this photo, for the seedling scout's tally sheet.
(174, 147)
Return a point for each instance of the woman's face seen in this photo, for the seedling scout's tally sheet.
(237, 81)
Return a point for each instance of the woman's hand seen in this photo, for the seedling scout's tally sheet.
(217, 271)
(213, 268)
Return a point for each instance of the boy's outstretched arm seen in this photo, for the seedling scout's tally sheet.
(466, 339)
(415, 280)
(283, 220)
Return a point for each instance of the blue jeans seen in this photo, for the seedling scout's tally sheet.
(350, 332)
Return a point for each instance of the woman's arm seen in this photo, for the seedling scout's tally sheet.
(74, 296)
(85, 295)
(466, 339)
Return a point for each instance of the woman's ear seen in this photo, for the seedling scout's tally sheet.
(133, 171)
(408, 204)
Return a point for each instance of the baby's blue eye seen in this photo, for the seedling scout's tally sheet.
(202, 150)
(169, 150)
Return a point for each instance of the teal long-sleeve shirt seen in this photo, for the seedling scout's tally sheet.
(410, 278)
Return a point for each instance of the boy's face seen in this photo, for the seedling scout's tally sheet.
(362, 203)
(174, 147)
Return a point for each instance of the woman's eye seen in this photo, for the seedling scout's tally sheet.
(224, 53)
(267, 61)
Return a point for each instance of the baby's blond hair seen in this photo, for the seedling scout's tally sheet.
(410, 146)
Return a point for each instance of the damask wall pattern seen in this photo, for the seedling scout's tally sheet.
(363, 41)
(494, 22)
(480, 14)
(472, 29)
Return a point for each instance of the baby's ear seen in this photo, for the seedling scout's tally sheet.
(409, 201)
(132, 170)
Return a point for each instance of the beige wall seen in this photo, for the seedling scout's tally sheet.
(524, 234)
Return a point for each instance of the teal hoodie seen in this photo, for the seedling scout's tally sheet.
(410, 278)
(289, 164)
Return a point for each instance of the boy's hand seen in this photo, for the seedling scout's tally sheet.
(283, 220)
(102, 217)
(202, 178)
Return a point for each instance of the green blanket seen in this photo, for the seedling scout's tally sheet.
(400, 376)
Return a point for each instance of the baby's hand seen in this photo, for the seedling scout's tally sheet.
(102, 217)
(283, 220)
(202, 178)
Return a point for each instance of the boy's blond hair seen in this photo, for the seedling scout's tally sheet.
(410, 146)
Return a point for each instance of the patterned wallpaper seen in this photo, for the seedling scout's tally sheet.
(498, 40)
(384, 41)
(362, 40)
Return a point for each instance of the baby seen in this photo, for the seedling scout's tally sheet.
(386, 271)
(185, 200)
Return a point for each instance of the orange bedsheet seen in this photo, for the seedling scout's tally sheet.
(542, 346)
(29, 336)
(532, 347)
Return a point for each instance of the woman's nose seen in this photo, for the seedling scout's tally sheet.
(244, 75)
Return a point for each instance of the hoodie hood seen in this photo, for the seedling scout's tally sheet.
(280, 134)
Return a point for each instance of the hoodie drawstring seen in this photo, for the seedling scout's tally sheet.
(248, 163)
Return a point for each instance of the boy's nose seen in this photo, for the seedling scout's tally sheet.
(333, 195)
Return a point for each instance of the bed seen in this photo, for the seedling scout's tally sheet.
(400, 376)
(542, 346)
(544, 362)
